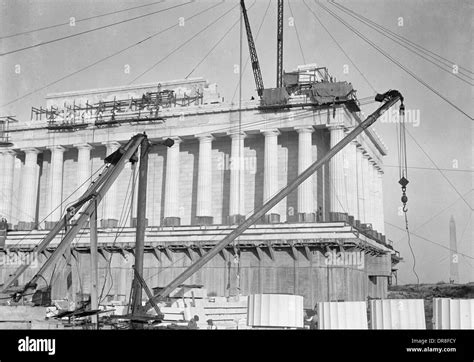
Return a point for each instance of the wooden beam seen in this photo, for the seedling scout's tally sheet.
(270, 250)
(73, 253)
(294, 252)
(200, 250)
(101, 251)
(307, 253)
(136, 294)
(224, 254)
(259, 253)
(94, 280)
(168, 253)
(122, 252)
(189, 253)
(156, 253)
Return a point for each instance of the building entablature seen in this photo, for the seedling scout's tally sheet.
(191, 122)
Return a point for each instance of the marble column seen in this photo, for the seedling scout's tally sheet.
(380, 211)
(367, 193)
(270, 172)
(204, 185)
(6, 184)
(373, 195)
(306, 207)
(134, 170)
(2, 191)
(237, 179)
(350, 168)
(111, 212)
(171, 212)
(338, 196)
(83, 167)
(55, 187)
(360, 186)
(29, 190)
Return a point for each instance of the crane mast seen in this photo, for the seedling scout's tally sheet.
(257, 73)
(279, 82)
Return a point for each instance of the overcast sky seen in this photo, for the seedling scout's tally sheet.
(444, 133)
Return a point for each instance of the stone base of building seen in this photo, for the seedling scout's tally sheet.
(134, 222)
(306, 217)
(236, 219)
(26, 225)
(171, 221)
(338, 216)
(204, 220)
(272, 218)
(108, 223)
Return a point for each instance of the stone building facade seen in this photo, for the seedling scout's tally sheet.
(225, 162)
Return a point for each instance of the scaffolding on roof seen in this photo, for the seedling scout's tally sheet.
(73, 117)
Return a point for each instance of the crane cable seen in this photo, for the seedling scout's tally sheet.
(403, 174)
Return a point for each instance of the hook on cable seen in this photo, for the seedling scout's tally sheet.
(404, 182)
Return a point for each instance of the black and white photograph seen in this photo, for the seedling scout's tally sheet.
(251, 171)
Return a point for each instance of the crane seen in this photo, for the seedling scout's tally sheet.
(86, 208)
(257, 73)
(388, 98)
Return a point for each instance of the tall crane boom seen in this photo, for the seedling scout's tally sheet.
(257, 73)
(279, 82)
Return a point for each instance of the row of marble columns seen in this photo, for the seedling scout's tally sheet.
(355, 182)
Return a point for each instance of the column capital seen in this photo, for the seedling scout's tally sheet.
(30, 150)
(335, 127)
(57, 148)
(304, 129)
(83, 146)
(270, 132)
(7, 151)
(205, 137)
(112, 144)
(237, 134)
(177, 140)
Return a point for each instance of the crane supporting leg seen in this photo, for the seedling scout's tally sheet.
(279, 82)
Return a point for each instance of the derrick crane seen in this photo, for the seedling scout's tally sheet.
(257, 73)
(86, 208)
(389, 99)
